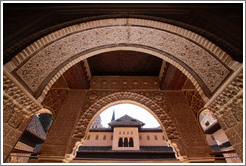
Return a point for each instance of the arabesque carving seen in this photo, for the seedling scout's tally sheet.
(210, 70)
(200, 62)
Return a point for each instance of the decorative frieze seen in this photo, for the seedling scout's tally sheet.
(124, 82)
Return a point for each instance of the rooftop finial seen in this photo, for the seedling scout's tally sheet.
(113, 116)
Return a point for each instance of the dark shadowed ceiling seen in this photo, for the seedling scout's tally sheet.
(220, 23)
(124, 63)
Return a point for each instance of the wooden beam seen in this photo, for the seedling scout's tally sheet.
(76, 77)
(173, 78)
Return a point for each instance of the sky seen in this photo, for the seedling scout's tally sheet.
(132, 110)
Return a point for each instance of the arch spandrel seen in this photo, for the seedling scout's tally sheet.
(204, 61)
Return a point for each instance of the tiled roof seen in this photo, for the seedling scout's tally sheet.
(126, 120)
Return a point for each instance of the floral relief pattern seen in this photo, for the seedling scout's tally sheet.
(37, 69)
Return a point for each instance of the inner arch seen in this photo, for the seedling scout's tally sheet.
(134, 111)
(186, 70)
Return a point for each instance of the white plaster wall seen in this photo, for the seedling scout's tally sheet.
(152, 142)
(125, 132)
(100, 142)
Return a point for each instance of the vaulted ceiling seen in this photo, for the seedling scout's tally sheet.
(125, 63)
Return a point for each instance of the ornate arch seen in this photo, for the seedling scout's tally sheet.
(90, 114)
(87, 118)
(41, 63)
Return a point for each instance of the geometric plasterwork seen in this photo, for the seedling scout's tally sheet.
(230, 97)
(205, 64)
(228, 109)
(99, 101)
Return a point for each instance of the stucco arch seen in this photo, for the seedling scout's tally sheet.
(36, 65)
(195, 79)
(86, 119)
(126, 102)
(98, 106)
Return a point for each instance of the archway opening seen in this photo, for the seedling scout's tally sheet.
(217, 139)
(30, 143)
(118, 131)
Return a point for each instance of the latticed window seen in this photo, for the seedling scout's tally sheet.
(155, 137)
(148, 138)
(97, 136)
(88, 137)
(104, 137)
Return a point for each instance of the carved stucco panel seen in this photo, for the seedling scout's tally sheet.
(37, 68)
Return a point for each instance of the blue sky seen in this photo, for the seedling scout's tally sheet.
(131, 110)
